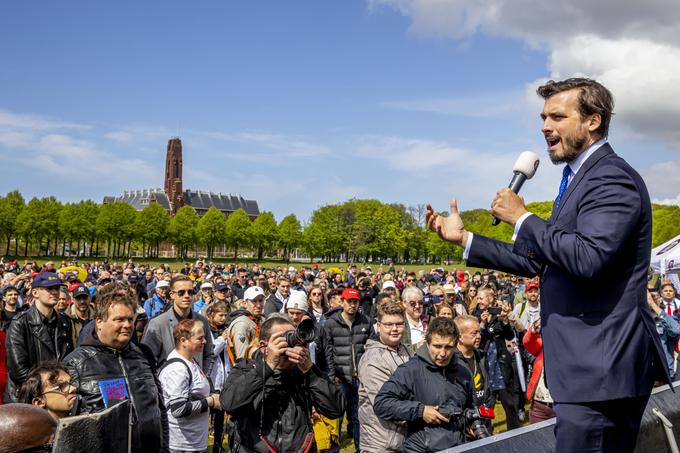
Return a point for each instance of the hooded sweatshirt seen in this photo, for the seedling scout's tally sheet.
(375, 368)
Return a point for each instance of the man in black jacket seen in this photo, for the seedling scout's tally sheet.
(270, 398)
(108, 367)
(39, 334)
(346, 334)
(430, 392)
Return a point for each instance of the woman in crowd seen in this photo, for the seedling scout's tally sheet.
(445, 310)
(471, 298)
(217, 318)
(186, 390)
(317, 302)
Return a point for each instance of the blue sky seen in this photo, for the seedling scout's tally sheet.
(298, 104)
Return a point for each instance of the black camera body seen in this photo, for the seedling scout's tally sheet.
(475, 418)
(429, 299)
(302, 335)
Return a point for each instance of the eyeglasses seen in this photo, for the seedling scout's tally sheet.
(183, 292)
(409, 280)
(416, 303)
(315, 294)
(391, 325)
(62, 387)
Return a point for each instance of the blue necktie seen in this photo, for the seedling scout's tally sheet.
(563, 185)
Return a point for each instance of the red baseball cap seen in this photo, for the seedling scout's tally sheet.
(350, 293)
(531, 285)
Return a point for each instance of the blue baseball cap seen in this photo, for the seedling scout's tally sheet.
(46, 280)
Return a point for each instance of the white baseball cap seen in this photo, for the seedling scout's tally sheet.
(298, 301)
(388, 284)
(163, 284)
(206, 285)
(252, 293)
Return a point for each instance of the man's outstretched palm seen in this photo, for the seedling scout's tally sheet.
(450, 228)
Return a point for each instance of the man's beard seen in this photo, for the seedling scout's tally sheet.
(571, 148)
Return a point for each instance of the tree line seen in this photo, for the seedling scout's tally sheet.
(356, 230)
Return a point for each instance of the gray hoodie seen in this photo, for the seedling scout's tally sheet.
(375, 367)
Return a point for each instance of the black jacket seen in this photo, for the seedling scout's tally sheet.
(93, 362)
(29, 343)
(277, 404)
(272, 305)
(497, 332)
(485, 396)
(344, 346)
(417, 383)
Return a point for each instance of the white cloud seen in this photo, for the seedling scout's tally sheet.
(478, 106)
(120, 136)
(14, 121)
(663, 180)
(264, 142)
(633, 47)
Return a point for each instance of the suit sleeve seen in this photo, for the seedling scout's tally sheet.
(607, 214)
(153, 342)
(490, 253)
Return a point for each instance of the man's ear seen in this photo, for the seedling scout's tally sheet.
(595, 122)
(39, 401)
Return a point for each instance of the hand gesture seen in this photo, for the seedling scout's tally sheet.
(652, 304)
(486, 317)
(431, 416)
(505, 311)
(450, 228)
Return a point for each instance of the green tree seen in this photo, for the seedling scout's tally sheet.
(182, 230)
(211, 230)
(11, 207)
(665, 223)
(116, 224)
(290, 234)
(264, 233)
(151, 228)
(237, 230)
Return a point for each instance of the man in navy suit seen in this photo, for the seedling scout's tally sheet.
(602, 353)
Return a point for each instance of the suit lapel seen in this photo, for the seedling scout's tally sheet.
(587, 165)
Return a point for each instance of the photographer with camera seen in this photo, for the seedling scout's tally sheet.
(270, 397)
(496, 330)
(432, 392)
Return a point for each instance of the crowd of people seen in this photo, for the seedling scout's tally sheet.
(279, 359)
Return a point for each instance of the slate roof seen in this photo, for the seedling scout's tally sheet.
(198, 199)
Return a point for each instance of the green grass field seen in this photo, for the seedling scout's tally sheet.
(176, 264)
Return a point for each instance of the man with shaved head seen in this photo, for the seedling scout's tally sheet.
(25, 426)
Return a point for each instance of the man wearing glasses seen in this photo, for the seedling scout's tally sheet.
(376, 366)
(158, 336)
(39, 334)
(416, 323)
(49, 386)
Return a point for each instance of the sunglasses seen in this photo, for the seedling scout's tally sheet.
(415, 304)
(315, 294)
(62, 387)
(183, 292)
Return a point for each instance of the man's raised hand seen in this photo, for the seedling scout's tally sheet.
(450, 228)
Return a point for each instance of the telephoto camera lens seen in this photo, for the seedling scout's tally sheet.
(303, 334)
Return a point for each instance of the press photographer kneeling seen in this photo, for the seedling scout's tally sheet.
(270, 397)
(432, 392)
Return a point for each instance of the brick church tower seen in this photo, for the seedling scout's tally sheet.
(173, 175)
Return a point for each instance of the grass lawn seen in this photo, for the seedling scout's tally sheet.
(176, 264)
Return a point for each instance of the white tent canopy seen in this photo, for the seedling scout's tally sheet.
(666, 257)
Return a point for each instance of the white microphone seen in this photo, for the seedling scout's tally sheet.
(525, 168)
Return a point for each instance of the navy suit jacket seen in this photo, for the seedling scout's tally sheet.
(592, 254)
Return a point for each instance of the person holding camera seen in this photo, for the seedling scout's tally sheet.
(431, 392)
(270, 397)
(496, 330)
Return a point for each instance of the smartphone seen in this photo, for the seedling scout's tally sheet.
(494, 310)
